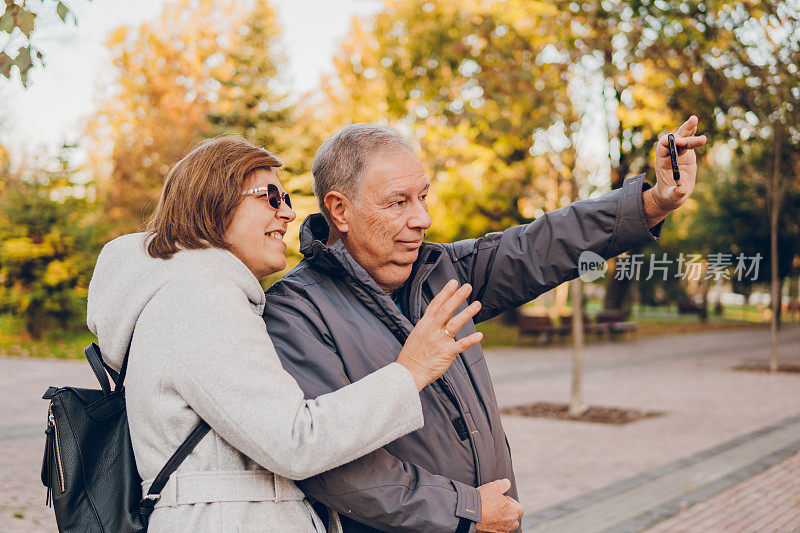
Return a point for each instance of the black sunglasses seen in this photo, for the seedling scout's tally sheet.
(273, 194)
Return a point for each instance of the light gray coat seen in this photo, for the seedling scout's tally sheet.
(200, 350)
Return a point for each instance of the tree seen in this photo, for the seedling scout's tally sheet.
(471, 82)
(201, 69)
(735, 221)
(497, 99)
(635, 94)
(18, 15)
(740, 59)
(251, 99)
(47, 246)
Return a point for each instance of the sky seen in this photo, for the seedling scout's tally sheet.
(51, 110)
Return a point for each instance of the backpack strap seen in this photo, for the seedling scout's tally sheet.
(99, 367)
(120, 378)
(154, 492)
(92, 353)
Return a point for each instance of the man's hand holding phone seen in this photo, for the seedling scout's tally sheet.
(669, 194)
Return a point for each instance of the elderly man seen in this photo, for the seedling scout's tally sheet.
(366, 279)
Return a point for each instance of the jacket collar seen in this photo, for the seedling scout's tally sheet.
(313, 234)
(336, 262)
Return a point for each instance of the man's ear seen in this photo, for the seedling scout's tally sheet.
(338, 206)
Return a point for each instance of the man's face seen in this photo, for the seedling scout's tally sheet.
(389, 217)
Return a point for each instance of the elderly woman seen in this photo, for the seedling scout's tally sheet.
(186, 299)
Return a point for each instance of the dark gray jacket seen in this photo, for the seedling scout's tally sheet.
(331, 325)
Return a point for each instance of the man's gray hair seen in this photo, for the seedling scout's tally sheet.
(340, 161)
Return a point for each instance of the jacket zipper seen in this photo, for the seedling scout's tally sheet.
(52, 420)
(443, 382)
(403, 337)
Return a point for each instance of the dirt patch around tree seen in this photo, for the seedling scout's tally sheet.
(593, 413)
(764, 367)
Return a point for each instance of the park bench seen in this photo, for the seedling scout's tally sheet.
(612, 319)
(689, 306)
(588, 325)
(537, 325)
(608, 321)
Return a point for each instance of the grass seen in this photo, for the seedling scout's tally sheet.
(56, 343)
(651, 322)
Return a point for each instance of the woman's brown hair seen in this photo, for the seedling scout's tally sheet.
(201, 192)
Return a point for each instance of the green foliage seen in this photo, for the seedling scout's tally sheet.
(498, 95)
(47, 248)
(54, 342)
(469, 81)
(502, 98)
(250, 100)
(20, 16)
(737, 220)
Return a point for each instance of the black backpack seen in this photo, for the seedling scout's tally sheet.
(88, 466)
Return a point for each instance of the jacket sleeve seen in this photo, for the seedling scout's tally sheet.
(513, 267)
(225, 368)
(377, 490)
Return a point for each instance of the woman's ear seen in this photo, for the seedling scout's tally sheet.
(338, 206)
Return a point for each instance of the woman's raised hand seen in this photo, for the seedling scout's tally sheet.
(431, 347)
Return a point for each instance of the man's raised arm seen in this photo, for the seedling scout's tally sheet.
(513, 267)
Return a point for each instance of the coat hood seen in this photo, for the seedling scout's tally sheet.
(126, 277)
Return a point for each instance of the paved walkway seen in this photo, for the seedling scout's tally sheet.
(720, 427)
(23, 417)
(767, 502)
(724, 457)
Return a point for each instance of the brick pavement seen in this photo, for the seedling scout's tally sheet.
(687, 376)
(634, 504)
(766, 503)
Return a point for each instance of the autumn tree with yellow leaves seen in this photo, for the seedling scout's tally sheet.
(203, 68)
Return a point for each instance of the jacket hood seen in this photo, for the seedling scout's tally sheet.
(333, 259)
(126, 277)
(313, 235)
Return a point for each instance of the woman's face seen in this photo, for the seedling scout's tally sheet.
(257, 229)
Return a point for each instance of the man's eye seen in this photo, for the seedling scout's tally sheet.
(401, 203)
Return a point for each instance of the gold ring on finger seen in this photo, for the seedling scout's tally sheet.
(447, 332)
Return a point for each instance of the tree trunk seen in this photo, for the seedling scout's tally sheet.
(703, 316)
(774, 213)
(775, 299)
(562, 297)
(35, 326)
(781, 280)
(619, 292)
(576, 407)
(794, 296)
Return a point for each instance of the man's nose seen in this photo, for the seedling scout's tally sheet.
(419, 219)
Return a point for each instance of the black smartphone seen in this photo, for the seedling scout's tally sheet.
(673, 157)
